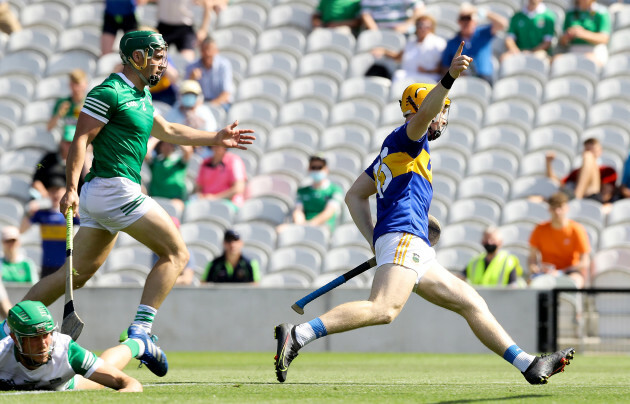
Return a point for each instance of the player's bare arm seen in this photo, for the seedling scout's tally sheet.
(175, 133)
(359, 206)
(87, 129)
(434, 102)
(109, 376)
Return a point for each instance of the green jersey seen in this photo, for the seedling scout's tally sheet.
(314, 200)
(21, 271)
(596, 19)
(70, 118)
(532, 29)
(120, 147)
(168, 177)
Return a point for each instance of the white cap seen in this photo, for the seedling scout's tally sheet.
(10, 233)
(190, 86)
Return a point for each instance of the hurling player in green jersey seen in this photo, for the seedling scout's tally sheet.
(117, 119)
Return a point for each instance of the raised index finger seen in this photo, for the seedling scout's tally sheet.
(459, 50)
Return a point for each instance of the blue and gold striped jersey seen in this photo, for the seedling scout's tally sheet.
(403, 177)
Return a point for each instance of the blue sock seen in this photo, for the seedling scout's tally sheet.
(517, 357)
(307, 332)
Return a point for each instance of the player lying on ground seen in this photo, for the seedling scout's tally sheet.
(117, 119)
(36, 357)
(401, 177)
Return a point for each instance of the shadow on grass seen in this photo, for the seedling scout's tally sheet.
(493, 399)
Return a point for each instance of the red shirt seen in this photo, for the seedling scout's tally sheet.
(218, 178)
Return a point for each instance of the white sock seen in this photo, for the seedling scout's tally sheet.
(144, 317)
(304, 334)
(523, 360)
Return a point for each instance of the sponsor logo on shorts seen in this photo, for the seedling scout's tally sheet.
(416, 258)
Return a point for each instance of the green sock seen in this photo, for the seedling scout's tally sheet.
(136, 346)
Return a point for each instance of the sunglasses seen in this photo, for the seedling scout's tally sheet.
(9, 241)
(465, 18)
(316, 168)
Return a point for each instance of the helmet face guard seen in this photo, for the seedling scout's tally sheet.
(30, 319)
(146, 42)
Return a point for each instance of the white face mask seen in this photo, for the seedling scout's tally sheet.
(189, 100)
(317, 176)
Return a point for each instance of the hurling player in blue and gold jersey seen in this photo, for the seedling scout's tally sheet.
(401, 178)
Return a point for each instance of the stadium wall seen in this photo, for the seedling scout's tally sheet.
(233, 318)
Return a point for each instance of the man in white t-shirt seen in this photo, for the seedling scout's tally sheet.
(33, 356)
(420, 59)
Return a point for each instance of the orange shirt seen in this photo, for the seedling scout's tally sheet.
(560, 247)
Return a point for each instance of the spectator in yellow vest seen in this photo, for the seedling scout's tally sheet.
(495, 267)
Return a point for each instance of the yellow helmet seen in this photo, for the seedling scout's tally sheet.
(413, 96)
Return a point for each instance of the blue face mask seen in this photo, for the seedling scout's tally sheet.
(317, 176)
(189, 100)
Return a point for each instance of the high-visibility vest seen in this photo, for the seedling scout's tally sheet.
(498, 271)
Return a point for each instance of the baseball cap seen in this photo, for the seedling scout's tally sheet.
(190, 86)
(10, 233)
(231, 235)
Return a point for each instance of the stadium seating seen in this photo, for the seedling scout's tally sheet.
(304, 91)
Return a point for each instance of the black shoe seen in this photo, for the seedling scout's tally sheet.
(545, 366)
(287, 349)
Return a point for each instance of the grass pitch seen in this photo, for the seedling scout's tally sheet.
(358, 378)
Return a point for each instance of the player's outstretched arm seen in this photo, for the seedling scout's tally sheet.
(109, 376)
(434, 102)
(230, 136)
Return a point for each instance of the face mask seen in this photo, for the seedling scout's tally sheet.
(189, 100)
(490, 248)
(317, 176)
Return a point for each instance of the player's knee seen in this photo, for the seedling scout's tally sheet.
(386, 315)
(180, 258)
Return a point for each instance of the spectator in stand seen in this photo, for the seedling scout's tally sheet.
(53, 165)
(190, 110)
(175, 23)
(9, 23)
(587, 30)
(624, 187)
(168, 171)
(52, 224)
(420, 60)
(495, 267)
(478, 40)
(531, 31)
(318, 204)
(232, 266)
(337, 14)
(397, 15)
(222, 176)
(15, 267)
(66, 109)
(560, 247)
(214, 73)
(119, 15)
(590, 180)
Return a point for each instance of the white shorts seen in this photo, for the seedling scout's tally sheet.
(406, 250)
(112, 204)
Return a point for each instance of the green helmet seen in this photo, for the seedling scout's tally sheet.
(29, 318)
(146, 41)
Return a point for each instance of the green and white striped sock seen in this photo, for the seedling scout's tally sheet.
(144, 317)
